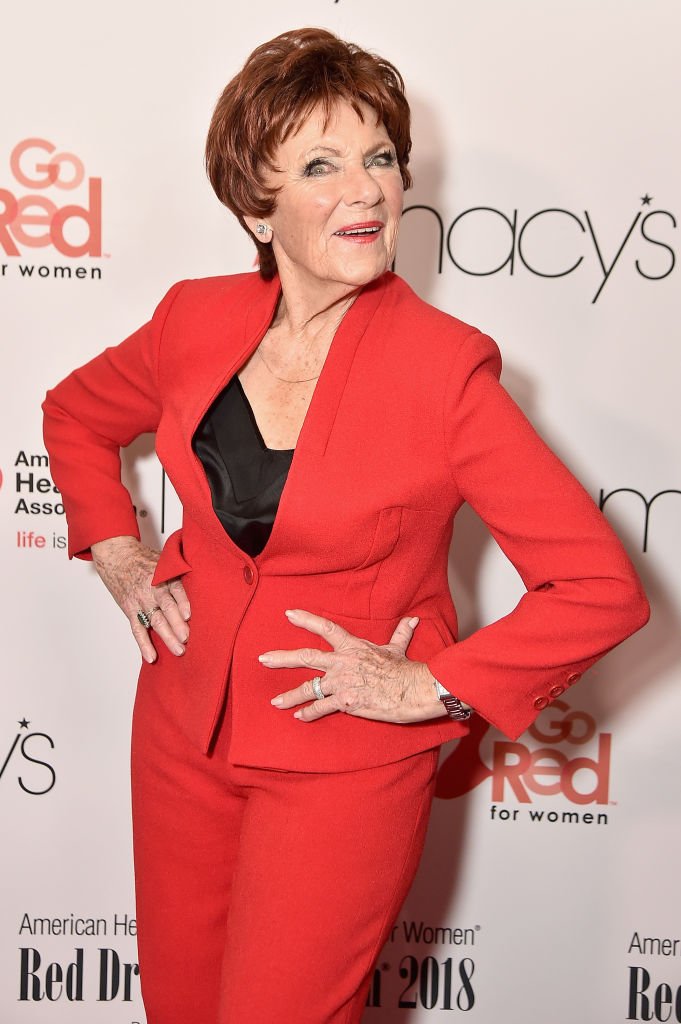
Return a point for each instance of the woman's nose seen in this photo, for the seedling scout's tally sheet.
(362, 187)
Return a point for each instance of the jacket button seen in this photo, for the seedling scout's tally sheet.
(249, 575)
(556, 691)
(541, 702)
(573, 677)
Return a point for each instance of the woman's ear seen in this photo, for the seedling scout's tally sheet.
(261, 229)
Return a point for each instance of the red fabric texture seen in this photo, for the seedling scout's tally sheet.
(265, 895)
(408, 420)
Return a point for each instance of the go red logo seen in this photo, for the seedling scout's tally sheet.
(525, 770)
(35, 219)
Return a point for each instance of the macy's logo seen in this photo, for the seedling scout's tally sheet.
(41, 775)
(522, 770)
(34, 220)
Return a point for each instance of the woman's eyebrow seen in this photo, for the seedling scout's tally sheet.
(321, 149)
(336, 152)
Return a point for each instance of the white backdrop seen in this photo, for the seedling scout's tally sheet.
(546, 154)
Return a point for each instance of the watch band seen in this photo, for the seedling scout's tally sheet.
(453, 705)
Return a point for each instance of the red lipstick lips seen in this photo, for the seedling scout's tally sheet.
(365, 231)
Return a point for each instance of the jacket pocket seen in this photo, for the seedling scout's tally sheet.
(172, 562)
(356, 601)
(417, 562)
(445, 632)
(430, 637)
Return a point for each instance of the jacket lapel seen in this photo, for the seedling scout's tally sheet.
(256, 311)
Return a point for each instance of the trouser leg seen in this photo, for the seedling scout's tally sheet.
(324, 865)
(186, 818)
(265, 896)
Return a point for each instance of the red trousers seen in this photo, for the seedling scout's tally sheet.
(265, 896)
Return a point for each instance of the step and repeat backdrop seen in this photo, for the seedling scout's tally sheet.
(545, 211)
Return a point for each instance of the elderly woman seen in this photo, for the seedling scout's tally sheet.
(322, 426)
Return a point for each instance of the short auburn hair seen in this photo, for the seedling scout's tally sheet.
(278, 87)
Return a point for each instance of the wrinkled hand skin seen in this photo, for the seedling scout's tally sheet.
(359, 677)
(126, 568)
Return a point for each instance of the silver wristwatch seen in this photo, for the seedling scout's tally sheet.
(453, 705)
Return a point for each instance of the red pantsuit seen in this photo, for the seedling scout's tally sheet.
(265, 895)
(407, 421)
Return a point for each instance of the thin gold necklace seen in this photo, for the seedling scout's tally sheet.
(285, 380)
(304, 380)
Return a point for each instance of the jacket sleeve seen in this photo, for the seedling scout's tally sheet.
(89, 417)
(583, 595)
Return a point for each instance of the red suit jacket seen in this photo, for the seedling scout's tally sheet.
(407, 421)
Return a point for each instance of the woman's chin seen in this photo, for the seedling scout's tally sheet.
(349, 274)
(362, 272)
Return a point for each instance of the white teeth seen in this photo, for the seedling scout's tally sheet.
(359, 231)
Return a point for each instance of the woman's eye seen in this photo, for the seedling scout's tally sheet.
(317, 168)
(384, 159)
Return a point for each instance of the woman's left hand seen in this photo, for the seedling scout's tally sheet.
(360, 678)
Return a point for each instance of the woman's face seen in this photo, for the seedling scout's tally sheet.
(339, 209)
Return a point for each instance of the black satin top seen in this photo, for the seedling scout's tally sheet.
(246, 477)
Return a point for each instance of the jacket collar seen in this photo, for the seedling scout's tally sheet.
(256, 308)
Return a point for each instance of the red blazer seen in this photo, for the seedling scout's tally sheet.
(406, 423)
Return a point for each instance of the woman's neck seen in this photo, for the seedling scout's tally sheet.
(310, 309)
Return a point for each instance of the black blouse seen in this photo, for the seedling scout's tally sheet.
(246, 477)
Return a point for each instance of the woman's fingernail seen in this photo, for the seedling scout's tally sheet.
(277, 701)
(265, 658)
(298, 714)
(186, 616)
(291, 613)
(414, 621)
(151, 658)
(178, 650)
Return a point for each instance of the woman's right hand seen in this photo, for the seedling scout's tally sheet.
(127, 567)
